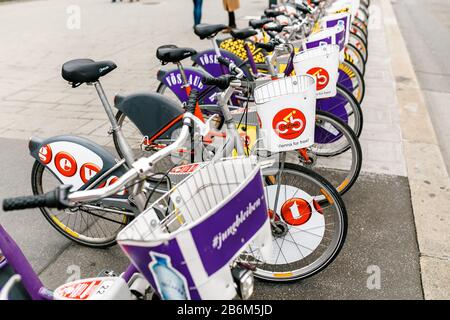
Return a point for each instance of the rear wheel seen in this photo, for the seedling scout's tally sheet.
(90, 225)
(140, 147)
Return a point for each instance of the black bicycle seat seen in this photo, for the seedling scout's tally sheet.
(171, 53)
(258, 24)
(205, 30)
(271, 13)
(86, 70)
(243, 33)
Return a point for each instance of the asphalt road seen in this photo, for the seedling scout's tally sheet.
(381, 238)
(425, 25)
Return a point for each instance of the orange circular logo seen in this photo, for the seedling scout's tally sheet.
(65, 164)
(45, 154)
(296, 211)
(289, 123)
(88, 170)
(322, 77)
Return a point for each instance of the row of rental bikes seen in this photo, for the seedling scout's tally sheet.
(233, 170)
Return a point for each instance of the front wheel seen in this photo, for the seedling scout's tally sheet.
(336, 154)
(309, 225)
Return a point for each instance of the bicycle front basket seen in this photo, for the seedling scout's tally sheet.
(287, 109)
(184, 243)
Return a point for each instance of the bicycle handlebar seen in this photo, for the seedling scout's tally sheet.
(57, 198)
(62, 198)
(269, 47)
(221, 82)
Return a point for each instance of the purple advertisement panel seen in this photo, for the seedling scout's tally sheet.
(344, 21)
(165, 269)
(208, 61)
(222, 235)
(316, 43)
(174, 81)
(336, 106)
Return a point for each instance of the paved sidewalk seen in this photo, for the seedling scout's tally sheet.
(36, 42)
(427, 175)
(36, 101)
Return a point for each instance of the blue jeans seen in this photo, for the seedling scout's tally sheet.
(197, 11)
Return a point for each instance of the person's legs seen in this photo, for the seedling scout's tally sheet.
(197, 11)
(231, 19)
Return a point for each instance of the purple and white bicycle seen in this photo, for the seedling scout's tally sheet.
(186, 245)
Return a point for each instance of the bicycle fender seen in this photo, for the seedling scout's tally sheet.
(75, 160)
(155, 115)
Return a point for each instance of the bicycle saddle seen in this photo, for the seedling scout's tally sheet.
(79, 71)
(271, 13)
(171, 53)
(258, 24)
(205, 30)
(243, 33)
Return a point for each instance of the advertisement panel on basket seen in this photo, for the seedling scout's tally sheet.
(184, 267)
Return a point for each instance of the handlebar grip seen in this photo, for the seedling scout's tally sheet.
(192, 101)
(222, 82)
(21, 203)
(53, 199)
(272, 34)
(269, 47)
(277, 28)
(302, 8)
(230, 65)
(224, 61)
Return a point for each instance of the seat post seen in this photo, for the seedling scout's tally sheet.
(215, 46)
(183, 74)
(126, 150)
(218, 54)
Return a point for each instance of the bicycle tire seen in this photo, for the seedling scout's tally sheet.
(331, 251)
(357, 79)
(344, 184)
(73, 235)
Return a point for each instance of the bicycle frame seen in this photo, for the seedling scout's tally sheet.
(28, 277)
